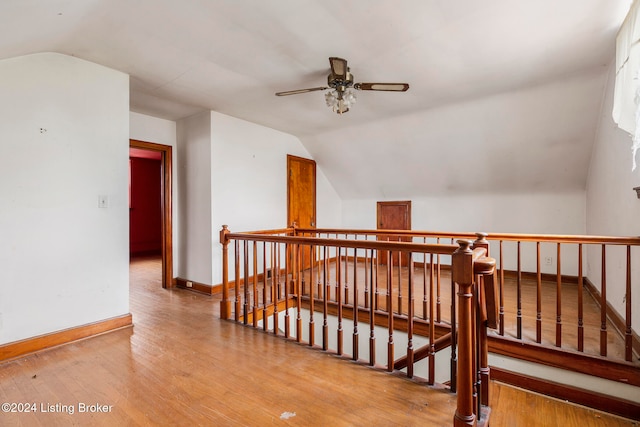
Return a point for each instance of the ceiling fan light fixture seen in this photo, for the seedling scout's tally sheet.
(331, 98)
(350, 97)
(340, 101)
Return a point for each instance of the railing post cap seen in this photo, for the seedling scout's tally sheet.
(481, 235)
(223, 235)
(464, 245)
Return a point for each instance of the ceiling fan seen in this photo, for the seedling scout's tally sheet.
(341, 97)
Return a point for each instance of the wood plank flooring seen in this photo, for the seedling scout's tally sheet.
(181, 365)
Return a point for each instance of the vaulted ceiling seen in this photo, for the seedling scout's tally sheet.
(505, 94)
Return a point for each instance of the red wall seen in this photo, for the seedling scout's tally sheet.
(145, 213)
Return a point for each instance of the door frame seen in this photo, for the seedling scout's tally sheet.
(168, 280)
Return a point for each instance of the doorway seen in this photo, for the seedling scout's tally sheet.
(394, 216)
(166, 219)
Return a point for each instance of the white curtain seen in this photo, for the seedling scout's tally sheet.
(626, 101)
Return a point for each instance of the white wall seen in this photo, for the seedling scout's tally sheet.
(161, 131)
(194, 198)
(152, 129)
(234, 172)
(612, 206)
(543, 213)
(249, 180)
(64, 140)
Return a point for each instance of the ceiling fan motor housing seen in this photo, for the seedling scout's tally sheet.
(340, 84)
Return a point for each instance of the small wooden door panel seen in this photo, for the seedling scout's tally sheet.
(393, 216)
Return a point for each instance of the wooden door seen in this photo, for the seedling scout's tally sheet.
(301, 197)
(393, 216)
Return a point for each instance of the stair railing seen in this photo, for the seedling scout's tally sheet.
(277, 271)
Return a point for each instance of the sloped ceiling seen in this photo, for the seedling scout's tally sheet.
(504, 95)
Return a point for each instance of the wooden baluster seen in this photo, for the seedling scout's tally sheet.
(339, 303)
(390, 357)
(410, 319)
(265, 318)
(538, 296)
(278, 276)
(372, 321)
(425, 289)
(287, 271)
(237, 281)
(319, 262)
(366, 279)
(338, 274)
(628, 342)
(519, 296)
(377, 288)
(603, 304)
(298, 289)
(301, 270)
(346, 273)
(462, 275)
(559, 299)
(327, 282)
(255, 284)
(438, 282)
(275, 283)
(355, 353)
(400, 282)
(245, 309)
(312, 325)
(580, 301)
(325, 304)
(225, 304)
(432, 327)
(501, 287)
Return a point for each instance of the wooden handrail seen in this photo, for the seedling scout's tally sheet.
(381, 245)
(523, 237)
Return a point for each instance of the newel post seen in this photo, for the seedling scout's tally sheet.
(225, 304)
(462, 275)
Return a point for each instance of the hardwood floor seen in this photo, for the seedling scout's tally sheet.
(181, 365)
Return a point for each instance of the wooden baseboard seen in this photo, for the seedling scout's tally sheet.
(615, 317)
(195, 286)
(21, 348)
(602, 402)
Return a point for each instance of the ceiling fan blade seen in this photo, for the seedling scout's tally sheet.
(297, 91)
(391, 87)
(338, 67)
